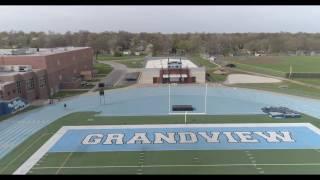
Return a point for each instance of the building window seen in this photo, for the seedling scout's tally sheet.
(8, 93)
(42, 81)
(58, 62)
(73, 57)
(60, 77)
(14, 91)
(18, 83)
(30, 84)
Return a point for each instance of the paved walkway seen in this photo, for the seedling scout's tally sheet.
(116, 75)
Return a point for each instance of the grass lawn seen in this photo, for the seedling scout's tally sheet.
(110, 58)
(195, 162)
(199, 61)
(133, 63)
(277, 65)
(282, 63)
(64, 94)
(216, 77)
(102, 68)
(315, 81)
(292, 89)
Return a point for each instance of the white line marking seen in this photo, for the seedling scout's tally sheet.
(190, 113)
(310, 126)
(29, 163)
(23, 152)
(180, 165)
(64, 162)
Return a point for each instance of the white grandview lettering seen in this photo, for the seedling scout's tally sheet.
(230, 138)
(213, 139)
(117, 137)
(189, 137)
(159, 137)
(183, 137)
(245, 137)
(142, 137)
(274, 136)
(93, 139)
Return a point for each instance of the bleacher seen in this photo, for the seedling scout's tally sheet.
(281, 112)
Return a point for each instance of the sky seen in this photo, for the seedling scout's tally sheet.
(164, 19)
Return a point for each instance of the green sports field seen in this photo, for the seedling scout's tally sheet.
(163, 162)
(277, 65)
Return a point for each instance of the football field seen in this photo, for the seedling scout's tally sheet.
(135, 132)
(181, 162)
(143, 161)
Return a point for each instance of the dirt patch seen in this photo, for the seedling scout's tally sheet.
(245, 78)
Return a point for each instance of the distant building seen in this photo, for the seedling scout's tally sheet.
(126, 52)
(301, 53)
(291, 53)
(137, 53)
(37, 73)
(315, 53)
(212, 58)
(259, 53)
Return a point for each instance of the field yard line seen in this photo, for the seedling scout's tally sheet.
(64, 162)
(5, 167)
(181, 165)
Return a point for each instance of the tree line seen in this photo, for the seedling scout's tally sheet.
(159, 43)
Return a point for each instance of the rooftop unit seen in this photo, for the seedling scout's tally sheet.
(15, 68)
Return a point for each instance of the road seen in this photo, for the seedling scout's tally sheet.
(116, 75)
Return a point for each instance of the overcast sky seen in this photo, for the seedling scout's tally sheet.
(165, 19)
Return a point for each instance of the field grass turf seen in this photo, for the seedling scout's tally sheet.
(164, 162)
(64, 94)
(281, 63)
(199, 61)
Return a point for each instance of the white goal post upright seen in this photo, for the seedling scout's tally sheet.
(205, 99)
(290, 71)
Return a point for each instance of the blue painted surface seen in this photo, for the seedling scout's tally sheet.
(303, 137)
(150, 101)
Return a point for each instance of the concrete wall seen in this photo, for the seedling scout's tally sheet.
(200, 74)
(147, 75)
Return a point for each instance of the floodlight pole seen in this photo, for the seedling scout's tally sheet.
(290, 71)
(205, 98)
